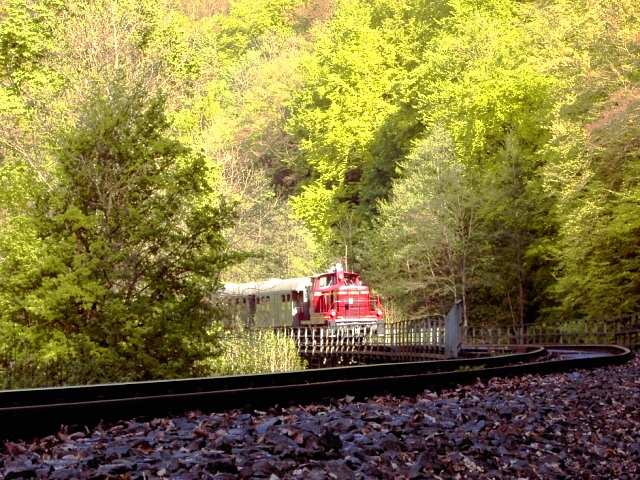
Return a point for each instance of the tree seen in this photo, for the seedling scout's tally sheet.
(423, 239)
(132, 245)
(349, 94)
(597, 246)
(241, 124)
(513, 219)
(276, 244)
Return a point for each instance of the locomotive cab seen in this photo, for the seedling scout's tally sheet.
(340, 298)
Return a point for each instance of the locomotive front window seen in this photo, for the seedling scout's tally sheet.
(351, 279)
(326, 281)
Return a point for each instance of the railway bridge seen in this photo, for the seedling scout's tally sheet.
(444, 337)
(427, 338)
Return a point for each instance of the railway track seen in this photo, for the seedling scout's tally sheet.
(31, 412)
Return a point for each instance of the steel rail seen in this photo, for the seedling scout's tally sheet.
(29, 412)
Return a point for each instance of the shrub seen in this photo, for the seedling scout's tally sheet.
(131, 244)
(257, 351)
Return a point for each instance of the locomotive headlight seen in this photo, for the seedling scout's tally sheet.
(332, 313)
(379, 313)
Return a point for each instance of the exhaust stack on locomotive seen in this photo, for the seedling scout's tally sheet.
(334, 298)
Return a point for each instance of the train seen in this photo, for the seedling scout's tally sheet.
(331, 299)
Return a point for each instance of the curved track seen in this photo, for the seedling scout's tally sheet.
(25, 413)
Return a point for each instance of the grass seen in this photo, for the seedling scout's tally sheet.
(262, 351)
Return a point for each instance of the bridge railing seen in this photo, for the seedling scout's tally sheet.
(412, 336)
(623, 331)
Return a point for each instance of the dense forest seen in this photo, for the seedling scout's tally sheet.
(485, 150)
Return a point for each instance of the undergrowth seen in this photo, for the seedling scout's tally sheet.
(262, 351)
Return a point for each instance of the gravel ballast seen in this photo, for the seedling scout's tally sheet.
(582, 424)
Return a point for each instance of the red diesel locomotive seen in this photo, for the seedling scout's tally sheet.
(334, 298)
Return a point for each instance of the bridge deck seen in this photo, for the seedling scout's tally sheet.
(342, 345)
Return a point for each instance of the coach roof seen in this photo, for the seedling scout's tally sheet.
(273, 285)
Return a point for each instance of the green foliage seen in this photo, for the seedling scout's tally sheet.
(450, 148)
(33, 358)
(598, 244)
(514, 86)
(481, 80)
(26, 37)
(20, 247)
(257, 352)
(348, 95)
(591, 161)
(478, 84)
(240, 122)
(131, 244)
(425, 231)
(277, 244)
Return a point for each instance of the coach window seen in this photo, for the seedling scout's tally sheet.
(288, 297)
(283, 298)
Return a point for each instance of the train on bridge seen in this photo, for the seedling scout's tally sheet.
(334, 298)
